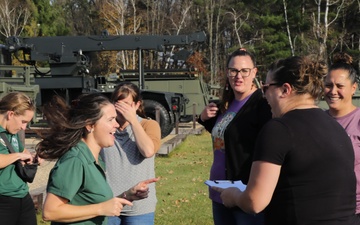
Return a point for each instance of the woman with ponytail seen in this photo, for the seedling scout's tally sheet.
(340, 86)
(16, 205)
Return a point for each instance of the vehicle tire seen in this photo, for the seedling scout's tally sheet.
(165, 121)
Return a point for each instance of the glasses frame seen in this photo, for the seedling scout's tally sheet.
(239, 71)
(265, 87)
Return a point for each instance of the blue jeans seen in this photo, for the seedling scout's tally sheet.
(234, 216)
(144, 219)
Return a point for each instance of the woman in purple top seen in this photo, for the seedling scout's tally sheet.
(340, 86)
(234, 125)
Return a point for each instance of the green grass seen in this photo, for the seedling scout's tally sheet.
(181, 192)
(40, 221)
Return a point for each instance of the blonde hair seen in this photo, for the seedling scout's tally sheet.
(17, 102)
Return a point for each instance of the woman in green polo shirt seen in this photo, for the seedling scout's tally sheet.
(77, 189)
(16, 205)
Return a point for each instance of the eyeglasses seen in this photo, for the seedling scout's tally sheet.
(244, 72)
(265, 87)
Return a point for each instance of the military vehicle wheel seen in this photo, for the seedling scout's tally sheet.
(165, 121)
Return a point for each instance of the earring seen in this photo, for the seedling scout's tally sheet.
(226, 87)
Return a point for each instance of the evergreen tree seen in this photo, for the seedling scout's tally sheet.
(49, 19)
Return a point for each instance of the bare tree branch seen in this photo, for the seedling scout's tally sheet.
(288, 29)
(236, 26)
(339, 8)
(14, 15)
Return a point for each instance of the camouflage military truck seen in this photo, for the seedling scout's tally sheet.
(171, 94)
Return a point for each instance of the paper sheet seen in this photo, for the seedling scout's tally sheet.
(226, 184)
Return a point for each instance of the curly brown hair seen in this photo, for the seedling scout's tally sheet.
(302, 73)
(344, 61)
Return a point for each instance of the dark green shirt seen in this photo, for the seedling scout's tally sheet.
(77, 177)
(10, 183)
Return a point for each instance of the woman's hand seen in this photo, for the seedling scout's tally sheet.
(113, 206)
(139, 191)
(127, 111)
(34, 157)
(25, 156)
(228, 195)
(209, 111)
(58, 209)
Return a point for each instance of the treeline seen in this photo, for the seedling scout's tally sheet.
(271, 29)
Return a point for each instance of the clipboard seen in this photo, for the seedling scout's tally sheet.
(226, 184)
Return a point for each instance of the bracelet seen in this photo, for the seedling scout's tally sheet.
(125, 197)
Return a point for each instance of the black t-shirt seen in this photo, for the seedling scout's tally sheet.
(317, 181)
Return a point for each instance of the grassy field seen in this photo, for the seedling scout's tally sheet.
(181, 192)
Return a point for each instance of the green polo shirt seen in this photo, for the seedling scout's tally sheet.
(10, 183)
(77, 177)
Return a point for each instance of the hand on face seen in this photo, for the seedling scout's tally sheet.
(126, 111)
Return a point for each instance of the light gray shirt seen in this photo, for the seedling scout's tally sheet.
(125, 167)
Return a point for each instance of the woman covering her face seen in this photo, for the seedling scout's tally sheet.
(77, 190)
(132, 158)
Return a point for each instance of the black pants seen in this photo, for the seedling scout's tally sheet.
(17, 211)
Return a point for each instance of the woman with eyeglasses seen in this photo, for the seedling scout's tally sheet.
(234, 125)
(303, 168)
(340, 86)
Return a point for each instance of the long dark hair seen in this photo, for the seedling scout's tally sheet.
(228, 93)
(17, 102)
(68, 123)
